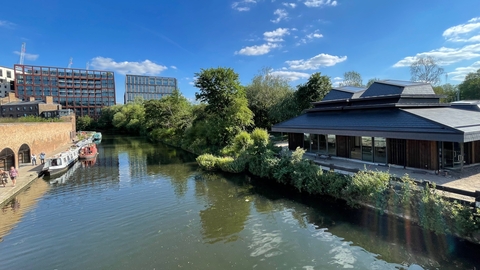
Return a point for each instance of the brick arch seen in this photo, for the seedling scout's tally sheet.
(7, 158)
(24, 153)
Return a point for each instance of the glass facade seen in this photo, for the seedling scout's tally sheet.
(83, 91)
(148, 87)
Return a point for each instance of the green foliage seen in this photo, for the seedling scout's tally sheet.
(207, 162)
(265, 91)
(470, 87)
(218, 88)
(285, 109)
(240, 144)
(448, 91)
(315, 89)
(83, 122)
(231, 165)
(28, 119)
(368, 186)
(352, 78)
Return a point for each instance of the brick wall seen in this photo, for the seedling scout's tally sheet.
(40, 137)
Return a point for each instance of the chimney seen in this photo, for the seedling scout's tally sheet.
(49, 99)
(11, 97)
(32, 99)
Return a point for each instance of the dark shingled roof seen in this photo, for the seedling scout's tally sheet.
(345, 92)
(420, 124)
(401, 110)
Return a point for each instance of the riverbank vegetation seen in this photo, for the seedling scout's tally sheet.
(29, 119)
(228, 130)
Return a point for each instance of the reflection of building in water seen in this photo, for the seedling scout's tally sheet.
(12, 212)
(138, 165)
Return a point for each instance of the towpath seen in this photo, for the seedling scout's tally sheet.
(27, 174)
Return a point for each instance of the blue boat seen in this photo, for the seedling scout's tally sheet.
(97, 136)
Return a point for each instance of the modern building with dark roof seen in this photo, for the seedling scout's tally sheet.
(391, 122)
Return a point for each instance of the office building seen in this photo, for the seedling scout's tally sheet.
(7, 78)
(85, 92)
(148, 87)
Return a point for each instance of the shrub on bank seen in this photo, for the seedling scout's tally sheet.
(425, 206)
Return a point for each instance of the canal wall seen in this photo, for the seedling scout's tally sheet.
(38, 136)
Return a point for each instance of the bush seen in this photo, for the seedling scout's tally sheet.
(232, 165)
(207, 162)
(368, 186)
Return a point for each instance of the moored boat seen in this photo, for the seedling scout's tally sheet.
(60, 163)
(97, 136)
(88, 151)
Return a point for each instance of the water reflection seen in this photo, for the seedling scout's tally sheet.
(227, 208)
(146, 206)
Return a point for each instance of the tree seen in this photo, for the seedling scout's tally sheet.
(352, 78)
(167, 119)
(265, 90)
(450, 92)
(425, 69)
(226, 111)
(470, 87)
(371, 81)
(83, 122)
(313, 90)
(218, 88)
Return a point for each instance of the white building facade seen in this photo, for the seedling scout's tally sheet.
(7, 77)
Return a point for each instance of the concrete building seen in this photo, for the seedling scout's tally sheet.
(148, 87)
(7, 78)
(14, 107)
(85, 92)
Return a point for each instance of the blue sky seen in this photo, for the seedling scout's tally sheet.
(377, 38)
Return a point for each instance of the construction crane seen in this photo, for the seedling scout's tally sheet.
(22, 53)
(88, 65)
(70, 62)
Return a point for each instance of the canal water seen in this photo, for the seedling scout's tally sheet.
(147, 206)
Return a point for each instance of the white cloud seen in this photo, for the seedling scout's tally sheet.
(7, 24)
(336, 81)
(292, 5)
(445, 56)
(173, 67)
(276, 35)
(460, 33)
(319, 3)
(28, 56)
(291, 75)
(146, 67)
(309, 37)
(321, 60)
(281, 15)
(258, 49)
(460, 72)
(243, 5)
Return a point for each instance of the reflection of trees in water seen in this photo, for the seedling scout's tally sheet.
(228, 206)
(394, 239)
(178, 174)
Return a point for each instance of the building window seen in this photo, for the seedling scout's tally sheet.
(9, 74)
(1, 72)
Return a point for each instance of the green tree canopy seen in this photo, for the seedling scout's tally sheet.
(470, 87)
(450, 92)
(218, 88)
(264, 92)
(313, 90)
(352, 78)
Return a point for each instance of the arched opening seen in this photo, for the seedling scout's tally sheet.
(7, 159)
(24, 154)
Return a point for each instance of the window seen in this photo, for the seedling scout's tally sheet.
(1, 72)
(9, 74)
